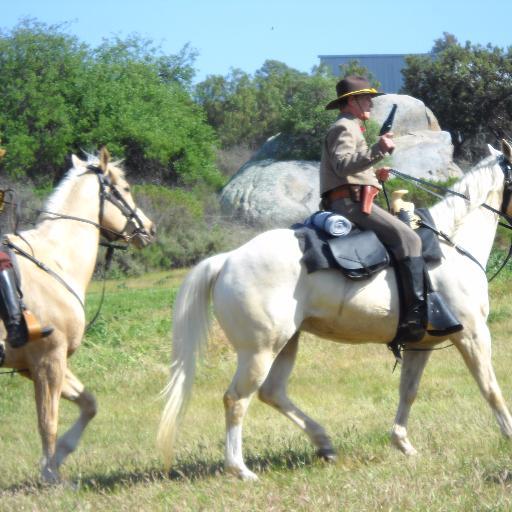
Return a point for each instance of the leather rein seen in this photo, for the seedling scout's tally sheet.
(506, 168)
(107, 192)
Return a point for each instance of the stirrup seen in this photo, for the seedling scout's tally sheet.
(404, 334)
(34, 328)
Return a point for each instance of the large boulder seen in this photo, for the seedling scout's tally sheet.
(425, 154)
(422, 149)
(411, 114)
(267, 193)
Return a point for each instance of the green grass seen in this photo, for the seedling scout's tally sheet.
(464, 463)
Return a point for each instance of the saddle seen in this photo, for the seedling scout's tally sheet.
(360, 254)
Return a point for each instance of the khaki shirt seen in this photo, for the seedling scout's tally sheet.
(346, 158)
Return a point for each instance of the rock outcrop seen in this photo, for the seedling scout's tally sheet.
(270, 193)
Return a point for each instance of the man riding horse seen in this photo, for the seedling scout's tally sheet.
(348, 184)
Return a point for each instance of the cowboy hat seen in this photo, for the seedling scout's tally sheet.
(352, 86)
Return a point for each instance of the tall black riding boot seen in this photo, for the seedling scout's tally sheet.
(413, 318)
(10, 309)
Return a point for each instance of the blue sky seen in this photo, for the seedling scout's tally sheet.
(242, 34)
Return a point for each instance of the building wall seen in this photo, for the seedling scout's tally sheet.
(385, 68)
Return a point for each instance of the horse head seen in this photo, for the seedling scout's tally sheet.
(119, 217)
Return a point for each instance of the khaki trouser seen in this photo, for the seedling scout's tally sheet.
(399, 238)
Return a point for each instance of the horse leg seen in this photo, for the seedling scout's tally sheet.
(475, 349)
(251, 372)
(73, 390)
(274, 393)
(413, 364)
(48, 377)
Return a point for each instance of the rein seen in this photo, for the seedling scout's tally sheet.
(506, 167)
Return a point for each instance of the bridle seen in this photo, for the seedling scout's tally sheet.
(506, 167)
(109, 192)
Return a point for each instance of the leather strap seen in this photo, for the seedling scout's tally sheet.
(345, 191)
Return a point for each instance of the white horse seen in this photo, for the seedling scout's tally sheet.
(94, 196)
(263, 298)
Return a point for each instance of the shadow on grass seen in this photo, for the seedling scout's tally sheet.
(200, 469)
(184, 471)
(500, 477)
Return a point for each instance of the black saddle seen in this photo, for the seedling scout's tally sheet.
(360, 254)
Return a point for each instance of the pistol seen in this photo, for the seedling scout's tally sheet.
(388, 122)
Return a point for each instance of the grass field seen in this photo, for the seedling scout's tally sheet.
(464, 463)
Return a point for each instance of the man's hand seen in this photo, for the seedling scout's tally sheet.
(386, 143)
(382, 173)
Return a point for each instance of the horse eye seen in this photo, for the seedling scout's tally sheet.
(126, 189)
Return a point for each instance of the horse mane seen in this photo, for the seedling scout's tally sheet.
(57, 198)
(484, 177)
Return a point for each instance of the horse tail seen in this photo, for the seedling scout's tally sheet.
(191, 326)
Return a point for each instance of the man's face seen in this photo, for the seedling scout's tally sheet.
(361, 106)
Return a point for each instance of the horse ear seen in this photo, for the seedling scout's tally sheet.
(506, 149)
(76, 162)
(493, 151)
(104, 158)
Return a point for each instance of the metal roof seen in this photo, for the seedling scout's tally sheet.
(386, 68)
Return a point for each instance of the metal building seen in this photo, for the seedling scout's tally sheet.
(385, 68)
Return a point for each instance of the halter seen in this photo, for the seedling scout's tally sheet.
(108, 192)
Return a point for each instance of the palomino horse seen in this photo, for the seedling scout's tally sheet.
(93, 196)
(263, 297)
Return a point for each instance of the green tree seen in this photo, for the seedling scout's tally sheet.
(231, 106)
(41, 71)
(353, 67)
(58, 96)
(468, 87)
(305, 118)
(278, 99)
(153, 123)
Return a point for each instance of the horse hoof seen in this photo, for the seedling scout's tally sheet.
(327, 454)
(243, 474)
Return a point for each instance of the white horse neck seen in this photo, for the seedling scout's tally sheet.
(466, 223)
(71, 245)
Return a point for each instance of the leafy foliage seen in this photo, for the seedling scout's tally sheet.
(354, 68)
(186, 233)
(247, 110)
(469, 87)
(58, 96)
(41, 73)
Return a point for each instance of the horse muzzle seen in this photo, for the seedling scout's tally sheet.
(143, 237)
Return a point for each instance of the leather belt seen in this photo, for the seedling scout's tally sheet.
(344, 191)
(363, 194)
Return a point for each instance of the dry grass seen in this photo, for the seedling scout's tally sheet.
(464, 462)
